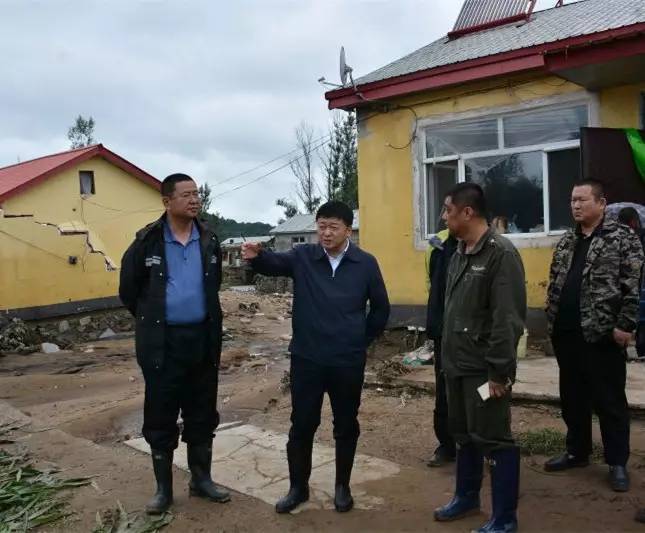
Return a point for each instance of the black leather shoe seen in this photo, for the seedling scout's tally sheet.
(343, 500)
(294, 497)
(564, 462)
(618, 478)
(441, 457)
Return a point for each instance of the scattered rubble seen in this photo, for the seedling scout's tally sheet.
(285, 382)
(251, 307)
(388, 370)
(80, 329)
(17, 337)
(272, 285)
(49, 347)
(423, 355)
(107, 334)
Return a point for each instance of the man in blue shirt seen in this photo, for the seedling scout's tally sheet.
(333, 282)
(170, 278)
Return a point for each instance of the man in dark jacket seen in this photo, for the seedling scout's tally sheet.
(333, 282)
(592, 309)
(441, 248)
(483, 321)
(170, 279)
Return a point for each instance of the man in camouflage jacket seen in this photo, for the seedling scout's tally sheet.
(592, 309)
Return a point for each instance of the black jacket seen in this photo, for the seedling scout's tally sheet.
(438, 273)
(331, 325)
(143, 290)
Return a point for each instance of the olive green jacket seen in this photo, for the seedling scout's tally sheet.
(485, 310)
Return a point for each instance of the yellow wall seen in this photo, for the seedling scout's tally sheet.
(34, 268)
(386, 181)
(620, 106)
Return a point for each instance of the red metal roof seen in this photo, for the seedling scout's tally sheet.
(16, 178)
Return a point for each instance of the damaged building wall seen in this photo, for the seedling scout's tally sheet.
(391, 181)
(70, 249)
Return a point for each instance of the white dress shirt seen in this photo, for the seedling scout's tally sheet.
(335, 261)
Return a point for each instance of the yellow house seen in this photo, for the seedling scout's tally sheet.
(499, 101)
(65, 221)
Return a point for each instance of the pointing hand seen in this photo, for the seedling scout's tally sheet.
(250, 250)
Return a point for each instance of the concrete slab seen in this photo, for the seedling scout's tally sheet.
(537, 380)
(253, 461)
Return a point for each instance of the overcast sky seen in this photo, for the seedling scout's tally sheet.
(210, 88)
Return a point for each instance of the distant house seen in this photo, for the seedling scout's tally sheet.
(65, 221)
(500, 101)
(301, 229)
(232, 248)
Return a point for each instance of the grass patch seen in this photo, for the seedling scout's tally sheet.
(30, 498)
(118, 520)
(541, 442)
(548, 442)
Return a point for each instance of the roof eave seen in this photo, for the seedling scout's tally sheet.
(515, 61)
(97, 151)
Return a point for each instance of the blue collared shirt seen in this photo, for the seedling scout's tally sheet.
(185, 297)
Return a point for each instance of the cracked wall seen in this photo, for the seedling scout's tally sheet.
(35, 267)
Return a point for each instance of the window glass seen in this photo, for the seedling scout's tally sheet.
(86, 178)
(441, 178)
(551, 125)
(462, 137)
(564, 171)
(513, 188)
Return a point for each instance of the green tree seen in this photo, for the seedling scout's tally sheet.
(205, 198)
(290, 208)
(81, 133)
(340, 161)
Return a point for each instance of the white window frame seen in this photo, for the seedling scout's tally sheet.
(298, 240)
(421, 162)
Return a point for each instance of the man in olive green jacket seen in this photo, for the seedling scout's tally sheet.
(484, 319)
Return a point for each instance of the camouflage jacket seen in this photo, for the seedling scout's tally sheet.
(609, 294)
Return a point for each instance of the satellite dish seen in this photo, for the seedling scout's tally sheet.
(345, 69)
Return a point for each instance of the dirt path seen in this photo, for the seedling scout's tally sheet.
(85, 404)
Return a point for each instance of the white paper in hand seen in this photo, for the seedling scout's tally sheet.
(484, 391)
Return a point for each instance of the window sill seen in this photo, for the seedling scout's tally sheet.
(528, 240)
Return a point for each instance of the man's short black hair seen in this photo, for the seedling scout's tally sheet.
(169, 182)
(597, 187)
(336, 209)
(469, 195)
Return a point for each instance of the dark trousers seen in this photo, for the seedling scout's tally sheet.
(485, 424)
(441, 425)
(592, 379)
(309, 382)
(186, 384)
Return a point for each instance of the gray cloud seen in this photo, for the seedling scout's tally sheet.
(209, 88)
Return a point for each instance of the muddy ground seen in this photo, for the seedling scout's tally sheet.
(85, 403)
